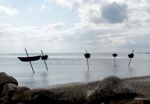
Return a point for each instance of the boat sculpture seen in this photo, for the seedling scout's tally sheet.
(31, 58)
(114, 55)
(44, 57)
(87, 55)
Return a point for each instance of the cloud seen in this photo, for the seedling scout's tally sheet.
(7, 11)
(32, 33)
(69, 3)
(101, 25)
(115, 13)
(43, 7)
(31, 37)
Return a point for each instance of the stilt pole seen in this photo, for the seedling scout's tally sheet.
(87, 56)
(30, 61)
(129, 62)
(87, 63)
(44, 61)
(131, 56)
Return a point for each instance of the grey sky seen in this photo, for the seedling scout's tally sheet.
(74, 25)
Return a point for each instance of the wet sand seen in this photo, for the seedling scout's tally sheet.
(140, 84)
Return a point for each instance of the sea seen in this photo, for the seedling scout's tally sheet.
(72, 67)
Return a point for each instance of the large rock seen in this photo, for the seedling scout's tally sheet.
(68, 94)
(4, 100)
(19, 94)
(73, 93)
(4, 78)
(111, 88)
(9, 89)
(5, 81)
(38, 96)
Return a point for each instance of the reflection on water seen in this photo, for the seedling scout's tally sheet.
(87, 76)
(44, 77)
(64, 68)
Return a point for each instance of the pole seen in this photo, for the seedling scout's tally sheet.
(87, 64)
(30, 61)
(129, 62)
(44, 61)
(87, 56)
(114, 61)
(131, 56)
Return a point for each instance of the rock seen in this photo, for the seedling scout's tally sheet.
(73, 93)
(4, 79)
(18, 94)
(9, 89)
(4, 100)
(38, 96)
(46, 97)
(69, 94)
(3, 74)
(110, 88)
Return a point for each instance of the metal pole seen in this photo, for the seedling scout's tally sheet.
(30, 61)
(44, 61)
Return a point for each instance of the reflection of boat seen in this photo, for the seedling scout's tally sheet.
(44, 57)
(31, 58)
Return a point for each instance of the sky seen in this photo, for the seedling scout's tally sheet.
(66, 26)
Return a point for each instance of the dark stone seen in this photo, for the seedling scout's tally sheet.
(73, 93)
(44, 98)
(4, 79)
(111, 88)
(38, 96)
(4, 100)
(18, 94)
(9, 89)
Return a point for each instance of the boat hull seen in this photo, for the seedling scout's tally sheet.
(27, 59)
(44, 57)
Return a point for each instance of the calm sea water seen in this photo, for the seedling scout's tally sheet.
(72, 67)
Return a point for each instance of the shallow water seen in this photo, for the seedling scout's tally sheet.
(72, 67)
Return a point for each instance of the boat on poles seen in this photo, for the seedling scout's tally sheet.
(44, 57)
(31, 58)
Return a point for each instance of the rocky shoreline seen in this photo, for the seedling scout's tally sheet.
(110, 90)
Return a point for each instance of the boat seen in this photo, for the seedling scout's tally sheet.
(114, 55)
(131, 55)
(44, 57)
(87, 55)
(31, 58)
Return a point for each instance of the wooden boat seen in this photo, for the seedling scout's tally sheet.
(87, 55)
(44, 57)
(131, 55)
(31, 58)
(114, 55)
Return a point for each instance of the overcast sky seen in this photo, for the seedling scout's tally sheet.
(74, 25)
